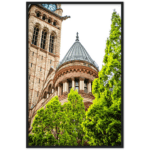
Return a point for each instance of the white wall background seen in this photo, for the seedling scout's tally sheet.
(92, 22)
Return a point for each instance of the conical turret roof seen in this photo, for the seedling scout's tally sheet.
(77, 52)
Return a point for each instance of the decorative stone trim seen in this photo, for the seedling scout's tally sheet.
(80, 61)
(76, 68)
(35, 46)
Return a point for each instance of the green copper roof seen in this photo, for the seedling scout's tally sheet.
(77, 52)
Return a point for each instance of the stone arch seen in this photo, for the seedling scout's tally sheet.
(38, 12)
(44, 15)
(49, 20)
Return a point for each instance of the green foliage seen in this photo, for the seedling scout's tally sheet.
(59, 124)
(102, 125)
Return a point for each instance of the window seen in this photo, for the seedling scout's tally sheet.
(51, 44)
(39, 80)
(62, 89)
(44, 17)
(70, 85)
(29, 77)
(77, 85)
(85, 86)
(40, 68)
(31, 64)
(50, 61)
(54, 23)
(33, 54)
(37, 94)
(41, 57)
(35, 35)
(49, 20)
(85, 64)
(43, 39)
(38, 14)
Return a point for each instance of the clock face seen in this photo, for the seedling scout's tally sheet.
(51, 7)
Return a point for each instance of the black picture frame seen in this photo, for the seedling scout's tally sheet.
(123, 84)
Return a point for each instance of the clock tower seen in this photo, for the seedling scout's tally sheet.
(54, 8)
(44, 39)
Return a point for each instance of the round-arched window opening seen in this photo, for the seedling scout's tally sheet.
(54, 23)
(38, 14)
(49, 20)
(44, 18)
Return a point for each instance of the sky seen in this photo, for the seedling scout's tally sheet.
(92, 22)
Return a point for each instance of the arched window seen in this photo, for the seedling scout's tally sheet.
(44, 17)
(85, 86)
(51, 43)
(77, 85)
(49, 20)
(38, 14)
(54, 23)
(35, 35)
(70, 85)
(43, 39)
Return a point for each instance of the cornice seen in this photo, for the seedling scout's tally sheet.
(58, 16)
(75, 68)
(68, 62)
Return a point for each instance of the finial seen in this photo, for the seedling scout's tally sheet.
(77, 38)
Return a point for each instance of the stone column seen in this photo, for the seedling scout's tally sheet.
(39, 37)
(65, 86)
(52, 90)
(47, 95)
(59, 90)
(47, 49)
(89, 86)
(73, 83)
(81, 85)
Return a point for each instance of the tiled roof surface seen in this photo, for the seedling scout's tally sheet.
(77, 52)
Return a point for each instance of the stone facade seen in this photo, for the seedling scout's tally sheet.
(45, 79)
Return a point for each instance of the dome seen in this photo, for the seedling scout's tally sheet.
(77, 52)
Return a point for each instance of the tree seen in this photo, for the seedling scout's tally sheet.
(102, 125)
(46, 124)
(59, 124)
(75, 113)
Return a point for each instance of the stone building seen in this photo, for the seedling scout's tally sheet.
(47, 76)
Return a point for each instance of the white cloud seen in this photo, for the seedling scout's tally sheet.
(92, 22)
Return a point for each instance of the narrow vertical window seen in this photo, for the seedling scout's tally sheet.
(33, 54)
(29, 77)
(35, 35)
(54, 23)
(40, 68)
(37, 93)
(44, 17)
(38, 14)
(31, 64)
(85, 86)
(77, 85)
(49, 20)
(42, 57)
(62, 89)
(70, 85)
(43, 39)
(50, 61)
(39, 80)
(51, 44)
